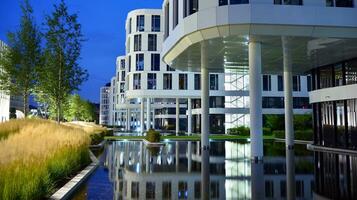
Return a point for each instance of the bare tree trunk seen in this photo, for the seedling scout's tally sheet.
(58, 113)
(25, 104)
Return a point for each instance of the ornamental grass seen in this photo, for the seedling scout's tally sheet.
(39, 155)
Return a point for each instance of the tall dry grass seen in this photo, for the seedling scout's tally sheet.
(36, 155)
(13, 126)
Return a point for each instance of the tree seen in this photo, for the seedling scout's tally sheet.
(61, 73)
(78, 109)
(21, 59)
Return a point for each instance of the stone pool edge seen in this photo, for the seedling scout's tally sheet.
(71, 186)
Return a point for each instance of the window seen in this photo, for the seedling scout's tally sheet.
(137, 42)
(166, 190)
(155, 62)
(140, 23)
(300, 189)
(280, 83)
(183, 81)
(152, 42)
(137, 82)
(122, 64)
(213, 81)
(222, 2)
(129, 63)
(269, 189)
(167, 18)
(266, 83)
(288, 2)
(239, 1)
(130, 22)
(283, 189)
(214, 190)
(169, 69)
(273, 102)
(155, 23)
(167, 82)
(151, 81)
(190, 7)
(135, 190)
(176, 18)
(339, 3)
(139, 62)
(182, 190)
(296, 83)
(197, 190)
(309, 83)
(150, 190)
(123, 76)
(197, 81)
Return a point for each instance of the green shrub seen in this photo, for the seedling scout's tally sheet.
(302, 122)
(245, 131)
(274, 122)
(306, 135)
(239, 130)
(277, 122)
(267, 131)
(153, 136)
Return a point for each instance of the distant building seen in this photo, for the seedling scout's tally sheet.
(4, 97)
(104, 105)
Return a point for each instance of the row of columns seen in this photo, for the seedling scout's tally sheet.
(148, 116)
(255, 90)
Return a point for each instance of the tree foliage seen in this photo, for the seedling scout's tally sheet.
(61, 73)
(22, 58)
(78, 109)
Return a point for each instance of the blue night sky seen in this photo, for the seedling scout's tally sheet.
(103, 25)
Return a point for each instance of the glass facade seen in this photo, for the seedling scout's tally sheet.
(335, 175)
(335, 122)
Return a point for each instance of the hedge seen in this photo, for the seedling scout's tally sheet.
(245, 131)
(306, 135)
(153, 136)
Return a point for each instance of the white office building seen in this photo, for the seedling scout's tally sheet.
(146, 91)
(4, 96)
(104, 111)
(272, 37)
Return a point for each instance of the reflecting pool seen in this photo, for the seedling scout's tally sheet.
(180, 170)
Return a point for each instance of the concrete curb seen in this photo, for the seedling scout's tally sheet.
(67, 190)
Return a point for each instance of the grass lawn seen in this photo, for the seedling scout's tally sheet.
(37, 155)
(187, 138)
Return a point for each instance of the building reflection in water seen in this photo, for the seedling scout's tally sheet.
(176, 171)
(335, 175)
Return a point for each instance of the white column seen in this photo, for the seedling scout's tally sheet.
(189, 157)
(142, 123)
(177, 116)
(204, 99)
(255, 94)
(148, 114)
(128, 119)
(288, 95)
(189, 116)
(290, 174)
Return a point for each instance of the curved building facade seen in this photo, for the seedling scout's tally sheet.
(146, 90)
(268, 37)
